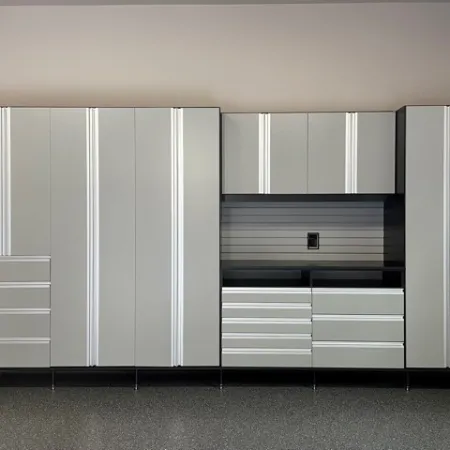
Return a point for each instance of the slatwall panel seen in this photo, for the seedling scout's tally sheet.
(349, 231)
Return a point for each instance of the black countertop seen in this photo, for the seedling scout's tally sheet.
(309, 265)
(265, 273)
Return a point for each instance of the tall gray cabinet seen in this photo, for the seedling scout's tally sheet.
(315, 153)
(126, 203)
(24, 237)
(424, 140)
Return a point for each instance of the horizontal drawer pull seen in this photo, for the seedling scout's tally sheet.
(265, 351)
(359, 291)
(357, 318)
(357, 344)
(264, 291)
(25, 311)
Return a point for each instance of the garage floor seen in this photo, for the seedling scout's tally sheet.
(203, 417)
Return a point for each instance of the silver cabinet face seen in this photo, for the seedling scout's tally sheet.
(375, 166)
(69, 242)
(29, 130)
(201, 241)
(116, 157)
(426, 236)
(327, 153)
(153, 237)
(240, 154)
(288, 153)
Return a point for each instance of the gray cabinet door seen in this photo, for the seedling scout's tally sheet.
(425, 231)
(30, 181)
(116, 138)
(288, 153)
(375, 171)
(69, 288)
(326, 153)
(201, 246)
(240, 157)
(153, 237)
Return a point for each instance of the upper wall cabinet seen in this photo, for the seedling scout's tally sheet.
(327, 165)
(375, 157)
(25, 181)
(316, 153)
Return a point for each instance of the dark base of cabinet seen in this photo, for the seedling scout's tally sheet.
(214, 377)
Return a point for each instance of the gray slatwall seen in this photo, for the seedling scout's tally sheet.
(349, 231)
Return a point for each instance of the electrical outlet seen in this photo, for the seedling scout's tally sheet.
(313, 241)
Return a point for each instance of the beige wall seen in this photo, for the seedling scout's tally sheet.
(243, 58)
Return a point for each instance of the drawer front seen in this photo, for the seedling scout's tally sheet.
(358, 355)
(20, 324)
(260, 340)
(24, 270)
(266, 358)
(24, 296)
(266, 310)
(20, 354)
(292, 326)
(358, 328)
(266, 295)
(358, 301)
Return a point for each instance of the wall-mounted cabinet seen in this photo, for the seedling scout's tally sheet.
(315, 153)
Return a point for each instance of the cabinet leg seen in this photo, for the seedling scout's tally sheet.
(407, 382)
(53, 379)
(314, 386)
(221, 379)
(136, 386)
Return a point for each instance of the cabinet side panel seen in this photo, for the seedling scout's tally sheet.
(425, 332)
(288, 153)
(153, 237)
(240, 146)
(30, 181)
(201, 237)
(69, 299)
(376, 153)
(326, 153)
(116, 237)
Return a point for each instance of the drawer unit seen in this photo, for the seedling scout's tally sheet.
(266, 310)
(19, 269)
(357, 301)
(25, 295)
(266, 295)
(269, 340)
(358, 355)
(24, 353)
(25, 323)
(358, 328)
(232, 357)
(289, 326)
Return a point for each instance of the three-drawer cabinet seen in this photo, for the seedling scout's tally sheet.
(358, 328)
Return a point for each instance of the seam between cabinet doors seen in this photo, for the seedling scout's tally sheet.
(267, 152)
(180, 261)
(93, 235)
(6, 181)
(446, 199)
(261, 153)
(174, 239)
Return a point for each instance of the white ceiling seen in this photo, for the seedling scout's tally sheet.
(194, 2)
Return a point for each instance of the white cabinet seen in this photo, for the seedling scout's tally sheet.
(315, 153)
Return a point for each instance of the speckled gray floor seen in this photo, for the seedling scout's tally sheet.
(236, 418)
